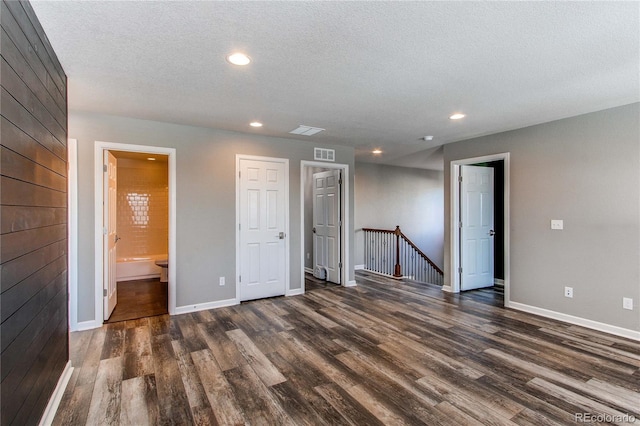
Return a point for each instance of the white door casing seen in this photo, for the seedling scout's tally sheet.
(263, 225)
(327, 222)
(99, 247)
(110, 232)
(477, 230)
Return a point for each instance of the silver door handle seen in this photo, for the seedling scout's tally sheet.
(492, 232)
(281, 236)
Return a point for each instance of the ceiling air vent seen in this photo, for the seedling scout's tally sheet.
(306, 130)
(324, 154)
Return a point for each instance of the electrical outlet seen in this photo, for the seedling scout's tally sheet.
(627, 303)
(568, 292)
(557, 224)
(221, 280)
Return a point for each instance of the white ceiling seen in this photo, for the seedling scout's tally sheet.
(373, 74)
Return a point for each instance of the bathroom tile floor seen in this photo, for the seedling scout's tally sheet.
(140, 299)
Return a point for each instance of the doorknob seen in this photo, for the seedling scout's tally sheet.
(314, 229)
(117, 238)
(281, 236)
(492, 232)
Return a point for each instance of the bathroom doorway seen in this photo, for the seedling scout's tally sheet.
(135, 269)
(140, 236)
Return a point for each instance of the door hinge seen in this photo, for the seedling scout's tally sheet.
(459, 224)
(240, 278)
(239, 174)
(104, 231)
(340, 265)
(104, 168)
(104, 292)
(459, 178)
(340, 181)
(460, 270)
(239, 227)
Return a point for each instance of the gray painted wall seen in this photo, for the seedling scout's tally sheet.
(586, 171)
(206, 186)
(387, 196)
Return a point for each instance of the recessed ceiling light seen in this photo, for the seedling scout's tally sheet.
(456, 116)
(427, 138)
(255, 124)
(376, 151)
(151, 159)
(238, 59)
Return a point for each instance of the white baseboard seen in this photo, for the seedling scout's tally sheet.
(56, 396)
(359, 267)
(308, 270)
(594, 325)
(85, 325)
(204, 306)
(447, 288)
(351, 283)
(295, 292)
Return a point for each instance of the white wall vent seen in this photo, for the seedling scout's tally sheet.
(306, 130)
(324, 154)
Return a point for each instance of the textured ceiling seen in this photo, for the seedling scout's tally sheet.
(373, 74)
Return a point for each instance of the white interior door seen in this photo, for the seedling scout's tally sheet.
(110, 233)
(476, 233)
(326, 223)
(263, 217)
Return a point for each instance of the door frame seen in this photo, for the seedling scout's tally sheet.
(99, 149)
(454, 215)
(344, 236)
(287, 240)
(72, 220)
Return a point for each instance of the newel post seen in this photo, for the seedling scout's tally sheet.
(397, 271)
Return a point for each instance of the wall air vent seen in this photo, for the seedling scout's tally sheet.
(324, 154)
(306, 130)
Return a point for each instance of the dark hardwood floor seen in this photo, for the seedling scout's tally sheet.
(312, 283)
(139, 299)
(384, 352)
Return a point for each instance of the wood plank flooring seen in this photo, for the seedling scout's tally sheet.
(139, 299)
(384, 352)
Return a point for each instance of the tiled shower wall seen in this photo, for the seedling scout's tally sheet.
(143, 208)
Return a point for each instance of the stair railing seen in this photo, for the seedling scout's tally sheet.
(391, 252)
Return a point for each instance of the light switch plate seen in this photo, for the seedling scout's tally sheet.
(627, 303)
(557, 224)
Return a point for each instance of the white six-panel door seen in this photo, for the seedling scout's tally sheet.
(262, 215)
(326, 223)
(110, 236)
(476, 233)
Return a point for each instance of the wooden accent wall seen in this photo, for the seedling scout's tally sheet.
(33, 217)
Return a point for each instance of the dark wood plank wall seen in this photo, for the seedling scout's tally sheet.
(33, 216)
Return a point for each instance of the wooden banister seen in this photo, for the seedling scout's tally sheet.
(387, 254)
(384, 231)
(397, 270)
(424, 256)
